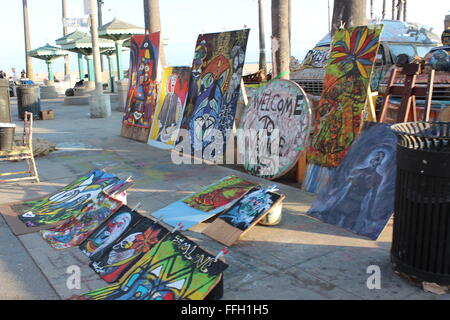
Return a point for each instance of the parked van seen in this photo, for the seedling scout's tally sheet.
(397, 37)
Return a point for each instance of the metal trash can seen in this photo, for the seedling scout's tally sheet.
(28, 100)
(7, 131)
(421, 235)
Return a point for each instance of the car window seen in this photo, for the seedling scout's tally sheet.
(422, 50)
(397, 49)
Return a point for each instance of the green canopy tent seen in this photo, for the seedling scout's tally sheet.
(71, 37)
(48, 53)
(119, 31)
(83, 45)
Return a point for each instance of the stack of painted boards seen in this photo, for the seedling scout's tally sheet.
(142, 257)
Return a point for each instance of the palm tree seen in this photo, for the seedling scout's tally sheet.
(26, 30)
(349, 13)
(67, 57)
(281, 52)
(153, 24)
(262, 43)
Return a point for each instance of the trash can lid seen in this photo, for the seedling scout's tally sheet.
(7, 125)
(421, 135)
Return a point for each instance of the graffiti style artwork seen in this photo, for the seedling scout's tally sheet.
(142, 90)
(104, 237)
(171, 102)
(360, 195)
(71, 200)
(204, 204)
(174, 269)
(127, 250)
(77, 228)
(280, 117)
(250, 207)
(214, 86)
(347, 78)
(243, 215)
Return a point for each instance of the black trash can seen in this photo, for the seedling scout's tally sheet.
(28, 100)
(421, 235)
(7, 131)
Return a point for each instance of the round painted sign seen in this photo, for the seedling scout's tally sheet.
(274, 129)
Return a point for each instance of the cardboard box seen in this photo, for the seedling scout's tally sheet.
(47, 115)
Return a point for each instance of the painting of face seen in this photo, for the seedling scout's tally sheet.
(100, 241)
(71, 200)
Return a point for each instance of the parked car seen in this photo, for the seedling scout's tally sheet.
(397, 37)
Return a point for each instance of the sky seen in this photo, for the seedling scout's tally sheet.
(182, 21)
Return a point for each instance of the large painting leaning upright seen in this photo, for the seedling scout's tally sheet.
(142, 89)
(347, 78)
(214, 87)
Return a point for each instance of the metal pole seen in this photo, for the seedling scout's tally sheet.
(26, 30)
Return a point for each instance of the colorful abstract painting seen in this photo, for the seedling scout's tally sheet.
(219, 194)
(250, 207)
(174, 269)
(279, 118)
(214, 86)
(347, 78)
(78, 227)
(360, 195)
(142, 90)
(128, 249)
(71, 200)
(204, 204)
(104, 237)
(171, 103)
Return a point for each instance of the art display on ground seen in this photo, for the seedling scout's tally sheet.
(214, 88)
(229, 226)
(78, 227)
(171, 102)
(360, 195)
(104, 237)
(279, 117)
(142, 90)
(71, 200)
(347, 78)
(204, 204)
(128, 249)
(174, 269)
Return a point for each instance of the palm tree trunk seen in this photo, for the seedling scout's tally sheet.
(404, 9)
(393, 9)
(26, 30)
(153, 24)
(262, 42)
(383, 12)
(65, 31)
(348, 12)
(280, 38)
(399, 9)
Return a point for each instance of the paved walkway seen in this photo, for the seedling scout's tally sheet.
(301, 258)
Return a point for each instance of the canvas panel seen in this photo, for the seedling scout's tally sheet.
(214, 87)
(103, 238)
(280, 105)
(204, 204)
(70, 200)
(142, 89)
(360, 195)
(77, 228)
(128, 249)
(347, 78)
(174, 269)
(169, 112)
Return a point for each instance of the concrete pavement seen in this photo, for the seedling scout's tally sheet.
(302, 258)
